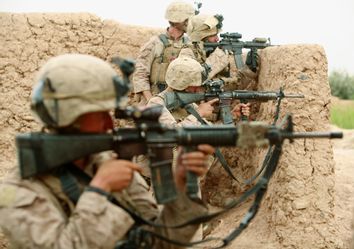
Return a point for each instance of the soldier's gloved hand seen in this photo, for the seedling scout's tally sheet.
(196, 162)
(241, 109)
(114, 175)
(206, 109)
(252, 60)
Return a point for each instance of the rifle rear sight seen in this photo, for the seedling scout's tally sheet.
(213, 86)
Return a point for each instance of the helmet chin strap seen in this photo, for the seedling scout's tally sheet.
(38, 104)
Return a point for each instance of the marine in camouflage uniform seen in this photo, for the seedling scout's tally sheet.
(159, 51)
(183, 74)
(205, 28)
(74, 94)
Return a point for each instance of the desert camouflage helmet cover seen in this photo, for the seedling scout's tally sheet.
(179, 11)
(184, 72)
(74, 84)
(201, 26)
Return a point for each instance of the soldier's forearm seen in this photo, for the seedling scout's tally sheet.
(147, 94)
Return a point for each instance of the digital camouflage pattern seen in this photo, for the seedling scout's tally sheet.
(184, 72)
(37, 214)
(152, 53)
(93, 89)
(179, 11)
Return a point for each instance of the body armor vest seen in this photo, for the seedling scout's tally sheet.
(159, 65)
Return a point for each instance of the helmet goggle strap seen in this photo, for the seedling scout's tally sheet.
(220, 19)
(121, 88)
(38, 104)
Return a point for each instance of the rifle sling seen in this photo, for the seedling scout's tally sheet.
(69, 174)
(269, 165)
(190, 109)
(258, 189)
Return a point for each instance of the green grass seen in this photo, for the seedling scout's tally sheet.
(343, 116)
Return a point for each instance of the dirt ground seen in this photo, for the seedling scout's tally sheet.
(309, 202)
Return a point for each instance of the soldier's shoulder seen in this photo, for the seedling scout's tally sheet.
(15, 192)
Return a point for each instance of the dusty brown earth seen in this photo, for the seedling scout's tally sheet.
(309, 202)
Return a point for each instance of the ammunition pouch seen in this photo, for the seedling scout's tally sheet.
(158, 87)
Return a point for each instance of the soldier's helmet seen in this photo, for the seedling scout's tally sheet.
(71, 85)
(202, 26)
(179, 11)
(184, 72)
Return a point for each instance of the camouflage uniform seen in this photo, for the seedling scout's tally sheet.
(156, 55)
(221, 63)
(181, 73)
(37, 213)
(153, 60)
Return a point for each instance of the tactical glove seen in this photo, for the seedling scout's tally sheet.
(252, 60)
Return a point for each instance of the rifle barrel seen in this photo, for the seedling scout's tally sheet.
(293, 96)
(292, 135)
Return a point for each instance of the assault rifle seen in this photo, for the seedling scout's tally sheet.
(214, 89)
(231, 42)
(40, 153)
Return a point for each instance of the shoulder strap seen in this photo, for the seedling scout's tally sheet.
(164, 39)
(185, 39)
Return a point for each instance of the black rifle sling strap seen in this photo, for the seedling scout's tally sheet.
(271, 148)
(140, 236)
(70, 176)
(264, 180)
(190, 109)
(69, 183)
(258, 189)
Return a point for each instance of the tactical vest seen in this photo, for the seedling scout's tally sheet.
(159, 65)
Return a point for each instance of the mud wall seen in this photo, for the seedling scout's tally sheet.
(298, 208)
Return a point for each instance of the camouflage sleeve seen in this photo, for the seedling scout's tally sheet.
(218, 61)
(137, 197)
(167, 118)
(30, 219)
(141, 76)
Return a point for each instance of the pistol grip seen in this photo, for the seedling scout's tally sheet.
(192, 184)
(243, 117)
